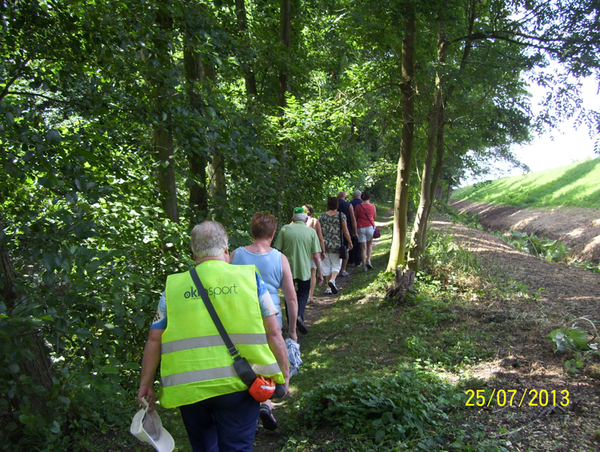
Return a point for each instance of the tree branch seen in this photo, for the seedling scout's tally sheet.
(6, 88)
(27, 93)
(502, 35)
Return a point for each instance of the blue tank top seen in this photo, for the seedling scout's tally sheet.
(269, 266)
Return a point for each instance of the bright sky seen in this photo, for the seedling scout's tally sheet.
(562, 146)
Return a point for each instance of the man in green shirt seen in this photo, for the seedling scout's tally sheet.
(300, 244)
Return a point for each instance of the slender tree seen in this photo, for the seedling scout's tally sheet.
(242, 22)
(285, 39)
(198, 193)
(398, 246)
(162, 130)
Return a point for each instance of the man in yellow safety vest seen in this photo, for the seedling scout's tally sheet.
(197, 372)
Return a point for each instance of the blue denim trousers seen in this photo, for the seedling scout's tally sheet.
(224, 423)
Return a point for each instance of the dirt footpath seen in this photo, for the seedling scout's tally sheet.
(554, 296)
(577, 228)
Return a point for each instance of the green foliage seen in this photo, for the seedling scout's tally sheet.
(396, 407)
(571, 339)
(318, 140)
(550, 250)
(446, 259)
(575, 185)
(83, 313)
(582, 351)
(595, 268)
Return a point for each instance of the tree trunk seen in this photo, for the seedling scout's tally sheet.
(217, 183)
(38, 370)
(249, 76)
(217, 186)
(162, 144)
(198, 198)
(200, 75)
(404, 285)
(7, 278)
(162, 135)
(436, 192)
(435, 137)
(398, 246)
(417, 244)
(437, 171)
(419, 239)
(198, 191)
(285, 37)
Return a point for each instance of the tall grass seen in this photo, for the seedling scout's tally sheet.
(575, 185)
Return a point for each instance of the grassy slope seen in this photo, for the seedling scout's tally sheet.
(575, 185)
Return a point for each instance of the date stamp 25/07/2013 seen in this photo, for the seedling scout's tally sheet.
(518, 398)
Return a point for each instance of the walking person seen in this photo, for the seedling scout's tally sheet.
(197, 371)
(275, 271)
(334, 226)
(300, 244)
(312, 222)
(365, 220)
(354, 255)
(348, 210)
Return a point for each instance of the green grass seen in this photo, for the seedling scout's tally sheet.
(575, 185)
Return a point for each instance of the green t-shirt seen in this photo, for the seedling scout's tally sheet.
(298, 242)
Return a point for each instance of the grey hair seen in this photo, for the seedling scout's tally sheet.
(209, 239)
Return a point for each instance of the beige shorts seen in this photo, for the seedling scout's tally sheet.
(331, 263)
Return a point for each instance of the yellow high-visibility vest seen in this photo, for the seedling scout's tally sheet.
(195, 363)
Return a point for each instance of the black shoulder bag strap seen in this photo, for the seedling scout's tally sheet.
(341, 233)
(242, 367)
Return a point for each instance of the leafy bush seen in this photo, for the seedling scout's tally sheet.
(398, 407)
(571, 339)
(447, 262)
(594, 268)
(550, 250)
(74, 319)
(582, 351)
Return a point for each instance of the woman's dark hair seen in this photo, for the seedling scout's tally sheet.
(332, 203)
(310, 209)
(365, 196)
(262, 225)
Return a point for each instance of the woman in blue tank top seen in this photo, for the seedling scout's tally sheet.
(275, 271)
(273, 266)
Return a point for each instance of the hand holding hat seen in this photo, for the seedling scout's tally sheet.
(147, 427)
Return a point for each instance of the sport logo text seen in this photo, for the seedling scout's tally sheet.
(212, 291)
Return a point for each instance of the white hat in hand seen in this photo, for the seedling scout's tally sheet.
(147, 427)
